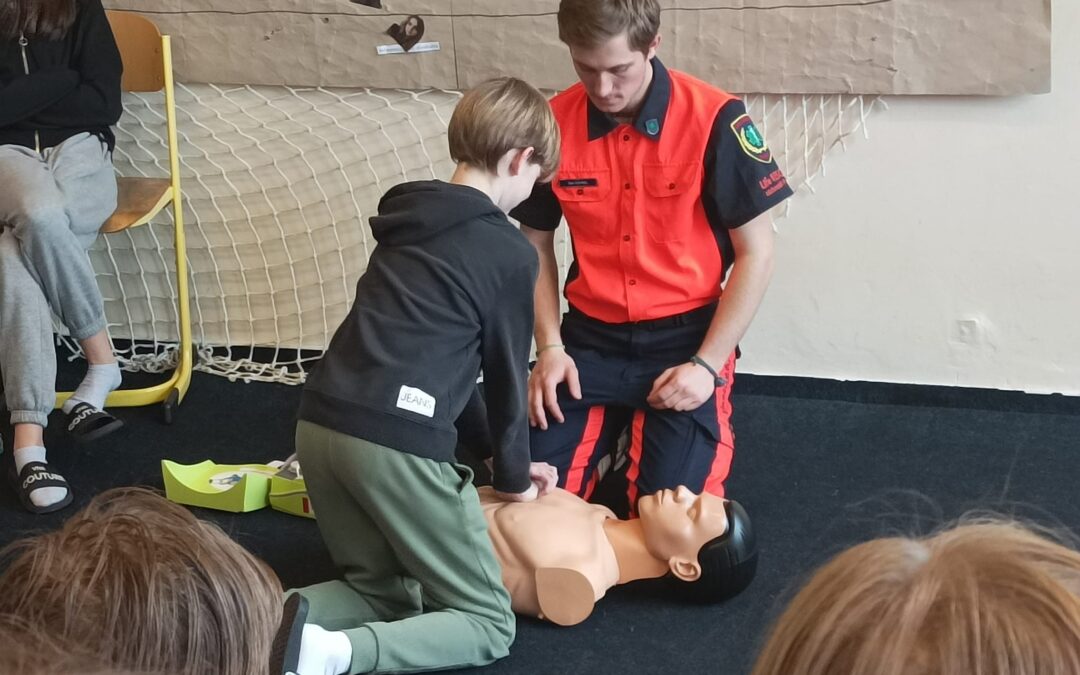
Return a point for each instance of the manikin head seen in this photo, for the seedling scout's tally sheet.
(611, 43)
(707, 540)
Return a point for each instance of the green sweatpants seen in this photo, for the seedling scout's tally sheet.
(422, 588)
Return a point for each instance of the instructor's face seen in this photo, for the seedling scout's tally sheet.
(615, 76)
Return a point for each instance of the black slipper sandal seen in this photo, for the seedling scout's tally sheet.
(285, 652)
(34, 476)
(87, 423)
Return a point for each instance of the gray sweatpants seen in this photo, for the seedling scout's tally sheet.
(52, 205)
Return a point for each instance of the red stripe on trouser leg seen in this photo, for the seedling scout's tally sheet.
(634, 453)
(725, 448)
(579, 463)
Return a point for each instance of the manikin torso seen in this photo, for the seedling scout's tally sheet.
(557, 531)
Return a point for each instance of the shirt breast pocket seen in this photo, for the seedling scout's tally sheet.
(673, 192)
(585, 196)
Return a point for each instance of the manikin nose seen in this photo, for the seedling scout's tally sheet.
(682, 493)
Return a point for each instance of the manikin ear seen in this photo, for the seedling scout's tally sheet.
(519, 160)
(686, 570)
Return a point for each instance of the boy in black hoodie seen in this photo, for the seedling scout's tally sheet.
(446, 295)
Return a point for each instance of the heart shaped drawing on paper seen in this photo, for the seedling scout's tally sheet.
(408, 32)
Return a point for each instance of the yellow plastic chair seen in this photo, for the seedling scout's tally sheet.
(147, 57)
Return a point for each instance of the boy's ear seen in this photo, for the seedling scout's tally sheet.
(519, 160)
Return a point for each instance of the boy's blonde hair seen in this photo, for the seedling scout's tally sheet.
(501, 115)
(145, 586)
(992, 598)
(589, 23)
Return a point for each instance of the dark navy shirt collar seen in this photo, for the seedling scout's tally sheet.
(650, 119)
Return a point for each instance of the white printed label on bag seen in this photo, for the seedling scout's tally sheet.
(417, 401)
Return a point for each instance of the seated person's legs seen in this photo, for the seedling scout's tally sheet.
(51, 209)
(28, 363)
(58, 203)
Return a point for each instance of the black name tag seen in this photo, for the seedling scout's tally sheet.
(578, 182)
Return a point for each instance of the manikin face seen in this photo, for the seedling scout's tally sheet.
(677, 523)
(616, 77)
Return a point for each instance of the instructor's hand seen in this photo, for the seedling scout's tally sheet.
(684, 387)
(553, 367)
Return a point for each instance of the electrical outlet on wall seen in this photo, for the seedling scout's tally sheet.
(968, 331)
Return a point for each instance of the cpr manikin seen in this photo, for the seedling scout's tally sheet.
(560, 554)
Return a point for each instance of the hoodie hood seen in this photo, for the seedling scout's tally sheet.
(413, 212)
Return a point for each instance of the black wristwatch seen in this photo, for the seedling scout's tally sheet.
(719, 381)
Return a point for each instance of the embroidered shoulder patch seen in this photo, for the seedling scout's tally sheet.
(751, 140)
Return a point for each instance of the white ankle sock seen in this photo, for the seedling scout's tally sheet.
(40, 496)
(324, 652)
(94, 389)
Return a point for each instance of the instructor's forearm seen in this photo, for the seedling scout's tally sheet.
(742, 296)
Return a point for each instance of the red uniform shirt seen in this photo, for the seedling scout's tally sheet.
(649, 205)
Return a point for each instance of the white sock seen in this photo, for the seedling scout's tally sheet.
(41, 496)
(94, 389)
(324, 652)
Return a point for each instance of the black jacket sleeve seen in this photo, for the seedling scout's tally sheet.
(541, 211)
(96, 101)
(25, 96)
(507, 338)
(473, 429)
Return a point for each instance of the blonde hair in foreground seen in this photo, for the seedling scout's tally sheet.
(984, 598)
(501, 115)
(144, 586)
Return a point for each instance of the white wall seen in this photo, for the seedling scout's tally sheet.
(943, 250)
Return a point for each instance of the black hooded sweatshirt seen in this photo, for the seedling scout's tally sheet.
(51, 90)
(448, 292)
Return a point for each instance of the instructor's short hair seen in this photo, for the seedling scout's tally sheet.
(588, 23)
(988, 597)
(501, 115)
(143, 585)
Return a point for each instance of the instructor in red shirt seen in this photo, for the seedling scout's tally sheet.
(666, 186)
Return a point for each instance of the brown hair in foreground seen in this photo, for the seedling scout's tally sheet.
(986, 598)
(501, 115)
(142, 585)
